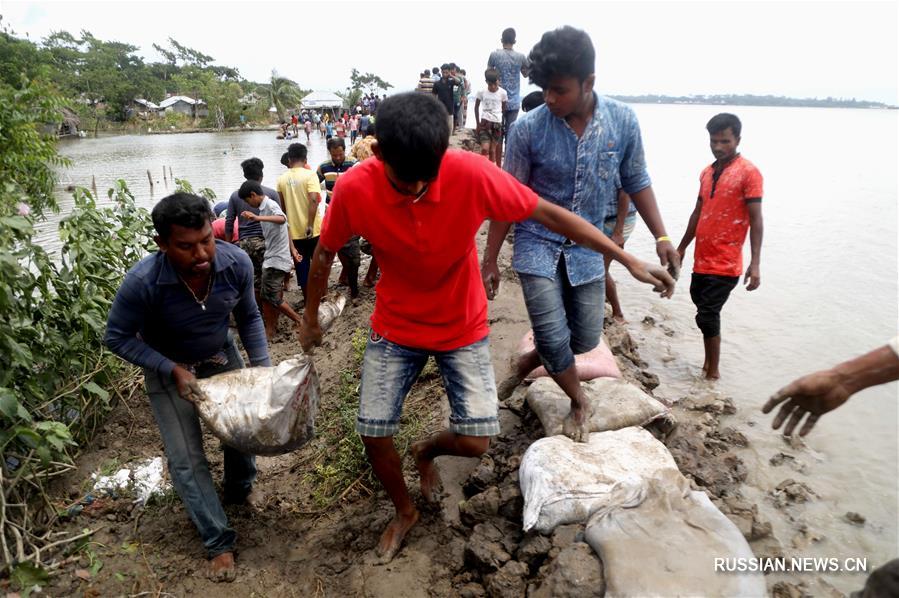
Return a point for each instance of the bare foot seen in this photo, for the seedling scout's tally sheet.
(575, 424)
(368, 283)
(393, 536)
(619, 318)
(255, 499)
(222, 568)
(427, 473)
(508, 386)
(712, 375)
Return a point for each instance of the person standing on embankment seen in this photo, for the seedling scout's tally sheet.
(171, 317)
(576, 150)
(421, 206)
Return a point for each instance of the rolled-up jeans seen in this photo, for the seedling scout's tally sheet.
(566, 319)
(182, 438)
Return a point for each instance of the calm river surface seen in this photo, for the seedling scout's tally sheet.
(829, 286)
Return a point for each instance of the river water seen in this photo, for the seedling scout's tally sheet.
(829, 288)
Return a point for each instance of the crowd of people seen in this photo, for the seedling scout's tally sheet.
(573, 179)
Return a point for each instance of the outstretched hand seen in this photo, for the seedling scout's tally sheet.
(812, 395)
(669, 258)
(187, 385)
(662, 282)
(248, 215)
(490, 277)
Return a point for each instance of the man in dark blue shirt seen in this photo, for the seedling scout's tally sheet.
(350, 254)
(170, 317)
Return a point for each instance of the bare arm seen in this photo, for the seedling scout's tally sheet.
(477, 113)
(319, 270)
(257, 218)
(314, 200)
(489, 270)
(824, 391)
(624, 202)
(645, 200)
(690, 232)
(753, 276)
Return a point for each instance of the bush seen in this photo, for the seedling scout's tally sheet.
(56, 377)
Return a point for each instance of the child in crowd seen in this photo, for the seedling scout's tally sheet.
(490, 127)
(280, 254)
(329, 130)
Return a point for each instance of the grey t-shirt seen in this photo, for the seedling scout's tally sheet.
(277, 252)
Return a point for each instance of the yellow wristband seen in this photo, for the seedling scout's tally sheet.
(663, 238)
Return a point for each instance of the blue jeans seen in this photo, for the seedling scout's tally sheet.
(389, 370)
(567, 320)
(182, 438)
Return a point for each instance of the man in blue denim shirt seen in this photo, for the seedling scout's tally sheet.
(576, 151)
(170, 317)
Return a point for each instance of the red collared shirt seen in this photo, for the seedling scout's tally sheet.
(430, 295)
(724, 218)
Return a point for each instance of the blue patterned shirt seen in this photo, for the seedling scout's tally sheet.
(508, 63)
(581, 175)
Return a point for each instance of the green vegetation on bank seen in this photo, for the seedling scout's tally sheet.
(57, 380)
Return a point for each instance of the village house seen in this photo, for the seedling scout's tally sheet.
(184, 105)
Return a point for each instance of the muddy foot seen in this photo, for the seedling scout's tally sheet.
(575, 425)
(427, 473)
(508, 386)
(393, 536)
(222, 568)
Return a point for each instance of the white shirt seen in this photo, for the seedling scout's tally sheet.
(491, 108)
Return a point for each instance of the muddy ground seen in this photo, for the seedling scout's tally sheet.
(469, 545)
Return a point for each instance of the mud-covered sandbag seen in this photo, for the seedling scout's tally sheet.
(565, 481)
(666, 544)
(614, 404)
(598, 363)
(267, 410)
(262, 410)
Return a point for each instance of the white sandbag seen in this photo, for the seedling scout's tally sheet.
(598, 363)
(614, 404)
(267, 410)
(667, 544)
(262, 410)
(565, 481)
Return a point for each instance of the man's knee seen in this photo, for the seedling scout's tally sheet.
(709, 324)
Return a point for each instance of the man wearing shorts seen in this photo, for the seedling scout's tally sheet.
(300, 194)
(729, 204)
(421, 207)
(280, 255)
(490, 121)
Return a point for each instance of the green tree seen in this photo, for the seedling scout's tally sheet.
(284, 94)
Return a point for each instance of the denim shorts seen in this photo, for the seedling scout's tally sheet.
(567, 320)
(389, 370)
(608, 226)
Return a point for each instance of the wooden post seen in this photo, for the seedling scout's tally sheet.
(150, 178)
(165, 179)
(171, 176)
(94, 186)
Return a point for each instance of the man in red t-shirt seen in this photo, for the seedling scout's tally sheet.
(421, 206)
(729, 204)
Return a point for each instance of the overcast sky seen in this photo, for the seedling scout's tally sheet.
(799, 49)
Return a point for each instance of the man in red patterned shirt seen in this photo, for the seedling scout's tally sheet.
(729, 204)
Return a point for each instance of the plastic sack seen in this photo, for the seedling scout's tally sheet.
(262, 410)
(565, 481)
(614, 404)
(597, 363)
(267, 410)
(680, 532)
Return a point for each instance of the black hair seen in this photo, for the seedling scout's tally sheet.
(249, 187)
(184, 209)
(413, 135)
(491, 75)
(566, 52)
(296, 152)
(435, 70)
(508, 36)
(335, 142)
(252, 169)
(532, 100)
(453, 65)
(370, 130)
(445, 66)
(285, 159)
(462, 71)
(723, 121)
